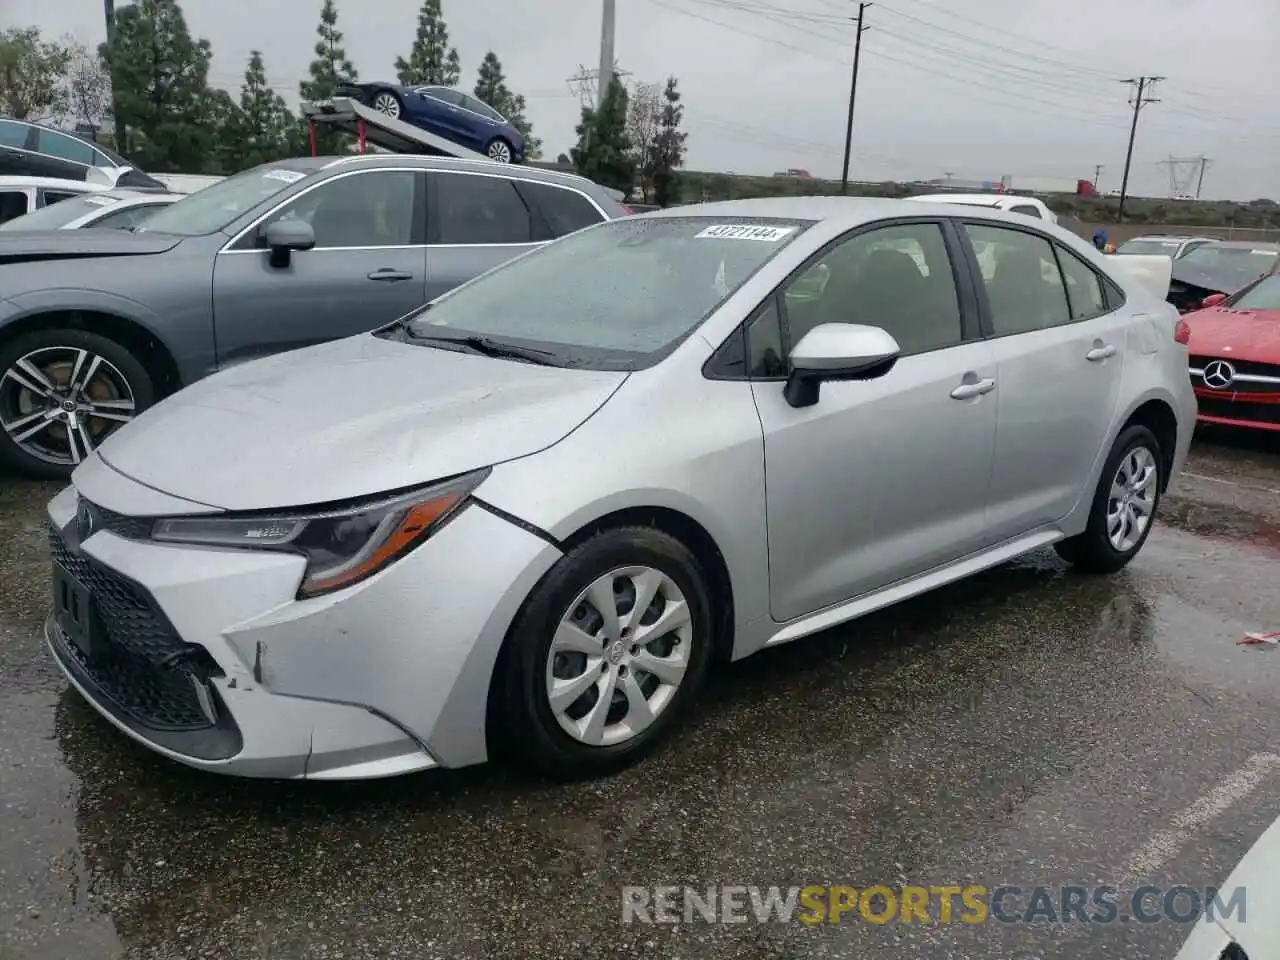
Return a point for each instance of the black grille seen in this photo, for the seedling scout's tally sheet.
(131, 528)
(1241, 366)
(1238, 410)
(140, 663)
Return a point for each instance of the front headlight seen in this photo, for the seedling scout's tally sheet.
(342, 546)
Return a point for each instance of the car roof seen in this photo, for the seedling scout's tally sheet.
(80, 186)
(849, 211)
(1166, 237)
(1268, 245)
(518, 170)
(987, 199)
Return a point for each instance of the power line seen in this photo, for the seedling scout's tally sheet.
(1140, 100)
(853, 92)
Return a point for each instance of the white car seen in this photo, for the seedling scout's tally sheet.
(22, 195)
(1027, 206)
(115, 209)
(1169, 246)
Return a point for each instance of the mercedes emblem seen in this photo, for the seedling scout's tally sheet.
(1219, 374)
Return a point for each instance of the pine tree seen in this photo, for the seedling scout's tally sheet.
(491, 87)
(431, 61)
(265, 124)
(162, 92)
(669, 147)
(328, 68)
(603, 150)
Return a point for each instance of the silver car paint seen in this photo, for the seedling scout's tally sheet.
(611, 443)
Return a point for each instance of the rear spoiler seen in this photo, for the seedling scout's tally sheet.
(1154, 271)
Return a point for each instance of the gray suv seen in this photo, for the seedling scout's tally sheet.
(95, 326)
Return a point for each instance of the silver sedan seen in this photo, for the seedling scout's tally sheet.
(537, 512)
(108, 209)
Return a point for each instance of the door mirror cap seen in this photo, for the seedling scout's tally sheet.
(838, 351)
(285, 236)
(1213, 300)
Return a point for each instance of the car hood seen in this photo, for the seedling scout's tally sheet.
(24, 247)
(1215, 281)
(349, 419)
(1246, 334)
(1258, 931)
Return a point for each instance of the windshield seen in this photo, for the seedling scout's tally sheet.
(618, 296)
(1251, 261)
(1263, 295)
(1146, 247)
(57, 215)
(209, 210)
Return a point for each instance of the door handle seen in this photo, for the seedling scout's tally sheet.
(1100, 353)
(386, 273)
(967, 391)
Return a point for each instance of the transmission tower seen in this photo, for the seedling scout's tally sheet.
(1182, 173)
(585, 84)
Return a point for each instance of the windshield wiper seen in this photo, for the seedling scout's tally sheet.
(489, 347)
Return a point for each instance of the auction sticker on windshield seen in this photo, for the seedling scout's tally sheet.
(745, 231)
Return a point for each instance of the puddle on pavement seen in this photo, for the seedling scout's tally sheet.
(1220, 522)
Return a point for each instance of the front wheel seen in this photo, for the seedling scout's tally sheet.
(609, 649)
(499, 150)
(1124, 505)
(63, 392)
(387, 104)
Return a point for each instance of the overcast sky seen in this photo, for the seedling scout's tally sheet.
(1020, 87)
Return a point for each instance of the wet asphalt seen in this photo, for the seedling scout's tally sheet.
(1030, 727)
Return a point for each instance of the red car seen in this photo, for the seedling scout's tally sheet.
(1235, 356)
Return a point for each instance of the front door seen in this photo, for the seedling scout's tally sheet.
(1059, 349)
(368, 267)
(881, 479)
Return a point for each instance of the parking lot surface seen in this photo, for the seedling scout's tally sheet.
(1032, 727)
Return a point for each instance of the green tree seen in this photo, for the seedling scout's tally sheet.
(491, 87)
(223, 121)
(162, 91)
(432, 60)
(31, 75)
(668, 151)
(265, 129)
(603, 152)
(327, 70)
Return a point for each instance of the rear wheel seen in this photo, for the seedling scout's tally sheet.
(387, 103)
(499, 150)
(62, 392)
(1124, 505)
(608, 650)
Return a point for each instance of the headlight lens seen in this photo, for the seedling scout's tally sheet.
(342, 546)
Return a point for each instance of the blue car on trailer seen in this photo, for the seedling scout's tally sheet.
(457, 116)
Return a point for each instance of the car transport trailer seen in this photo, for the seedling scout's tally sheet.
(372, 126)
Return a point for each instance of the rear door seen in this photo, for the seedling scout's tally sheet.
(476, 221)
(1058, 341)
(368, 266)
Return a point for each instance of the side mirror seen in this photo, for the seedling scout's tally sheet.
(285, 236)
(837, 351)
(1212, 300)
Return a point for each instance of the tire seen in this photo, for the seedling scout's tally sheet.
(499, 150)
(117, 378)
(385, 101)
(536, 733)
(1095, 551)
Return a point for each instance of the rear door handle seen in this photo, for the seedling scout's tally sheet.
(1100, 353)
(967, 391)
(386, 273)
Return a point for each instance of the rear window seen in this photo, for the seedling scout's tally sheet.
(1166, 248)
(58, 215)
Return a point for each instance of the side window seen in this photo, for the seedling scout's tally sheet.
(1027, 209)
(1024, 286)
(1084, 289)
(472, 209)
(765, 349)
(563, 210)
(897, 277)
(13, 134)
(128, 217)
(56, 196)
(451, 97)
(370, 209)
(13, 204)
(68, 148)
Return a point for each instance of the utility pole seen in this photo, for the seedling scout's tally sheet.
(606, 51)
(1097, 172)
(1204, 162)
(853, 92)
(1144, 85)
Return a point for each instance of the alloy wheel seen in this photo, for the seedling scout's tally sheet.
(1132, 499)
(619, 655)
(386, 103)
(58, 403)
(498, 150)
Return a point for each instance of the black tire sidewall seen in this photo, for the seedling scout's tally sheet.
(119, 356)
(529, 724)
(1099, 543)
